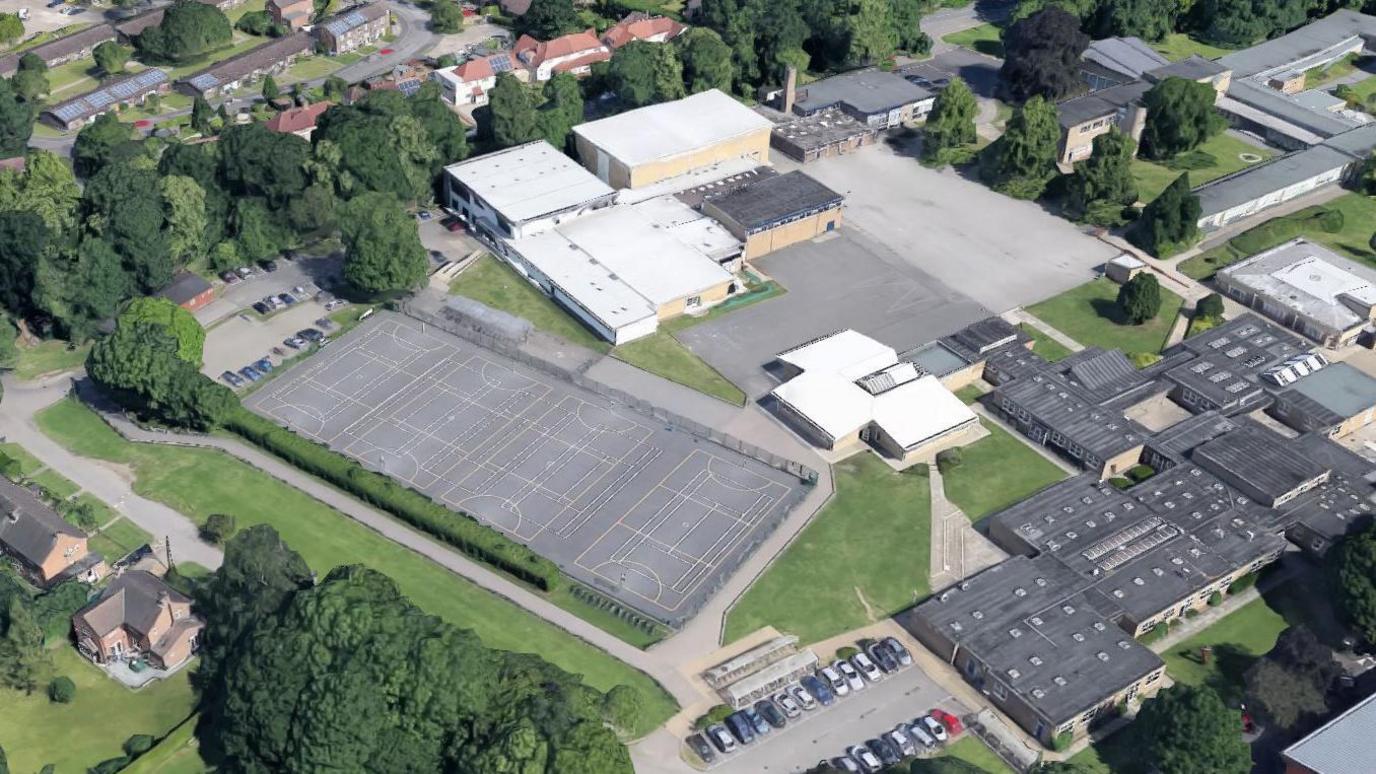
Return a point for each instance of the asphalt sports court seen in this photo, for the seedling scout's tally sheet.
(649, 514)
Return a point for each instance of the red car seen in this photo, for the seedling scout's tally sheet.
(453, 224)
(951, 722)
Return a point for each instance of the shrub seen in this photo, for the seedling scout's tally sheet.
(62, 690)
(1141, 472)
(1120, 482)
(459, 530)
(845, 653)
(1143, 359)
(1242, 584)
(218, 528)
(1209, 307)
(110, 765)
(137, 745)
(713, 716)
(1216, 599)
(1331, 221)
(949, 459)
(1191, 613)
(1062, 741)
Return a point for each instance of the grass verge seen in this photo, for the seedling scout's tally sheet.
(985, 39)
(1220, 155)
(995, 472)
(663, 355)
(970, 749)
(49, 357)
(176, 753)
(1237, 640)
(863, 557)
(119, 538)
(198, 482)
(1090, 315)
(57, 485)
(1351, 237)
(27, 462)
(494, 283)
(1051, 350)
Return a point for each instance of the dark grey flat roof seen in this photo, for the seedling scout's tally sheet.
(1183, 437)
(1257, 181)
(867, 92)
(935, 358)
(1194, 68)
(1310, 40)
(773, 200)
(1334, 393)
(1259, 460)
(185, 286)
(982, 337)
(1127, 56)
(1100, 104)
(1224, 363)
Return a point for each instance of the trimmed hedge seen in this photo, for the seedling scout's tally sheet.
(459, 530)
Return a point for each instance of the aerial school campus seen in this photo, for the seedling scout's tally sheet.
(566, 389)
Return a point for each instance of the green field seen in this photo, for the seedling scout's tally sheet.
(1090, 315)
(1218, 156)
(198, 482)
(1359, 220)
(494, 283)
(58, 485)
(1051, 350)
(985, 39)
(969, 393)
(663, 355)
(1237, 640)
(1317, 77)
(970, 749)
(49, 357)
(34, 731)
(863, 557)
(995, 472)
(120, 538)
(177, 753)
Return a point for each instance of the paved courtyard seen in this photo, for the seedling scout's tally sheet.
(843, 281)
(647, 513)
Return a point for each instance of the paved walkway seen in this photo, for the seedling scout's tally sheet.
(957, 550)
(1019, 316)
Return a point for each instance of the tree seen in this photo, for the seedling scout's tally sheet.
(951, 125)
(1210, 307)
(383, 253)
(21, 647)
(122, 203)
(1148, 19)
(1189, 730)
(4, 762)
(1139, 298)
(184, 200)
(176, 321)
(1103, 184)
(546, 19)
(906, 16)
(258, 23)
(96, 143)
(11, 28)
(870, 31)
(138, 744)
(218, 528)
(80, 290)
(31, 79)
(511, 116)
(202, 117)
(1291, 683)
(1042, 56)
(384, 143)
(16, 121)
(706, 61)
(188, 29)
(1170, 221)
(61, 690)
(1354, 573)
(23, 241)
(270, 90)
(335, 87)
(644, 73)
(446, 17)
(1023, 160)
(138, 367)
(1240, 23)
(256, 161)
(1180, 116)
(111, 57)
(563, 109)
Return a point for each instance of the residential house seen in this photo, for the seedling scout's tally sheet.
(299, 121)
(574, 53)
(643, 27)
(357, 27)
(114, 95)
(292, 14)
(44, 547)
(138, 616)
(467, 84)
(67, 48)
(224, 77)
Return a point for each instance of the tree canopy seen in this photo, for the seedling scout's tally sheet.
(1180, 116)
(1103, 184)
(1189, 730)
(178, 322)
(1023, 160)
(111, 57)
(951, 124)
(546, 19)
(31, 79)
(1042, 56)
(645, 73)
(139, 367)
(383, 253)
(1170, 221)
(1291, 684)
(1354, 574)
(16, 121)
(11, 29)
(1139, 298)
(388, 143)
(706, 61)
(511, 118)
(188, 29)
(97, 142)
(446, 17)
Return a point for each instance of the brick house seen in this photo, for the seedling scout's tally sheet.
(574, 53)
(469, 83)
(354, 28)
(292, 14)
(642, 26)
(138, 616)
(189, 291)
(44, 547)
(299, 121)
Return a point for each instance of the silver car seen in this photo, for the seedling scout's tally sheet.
(852, 676)
(839, 684)
(788, 705)
(803, 698)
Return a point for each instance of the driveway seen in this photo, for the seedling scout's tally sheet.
(847, 280)
(998, 251)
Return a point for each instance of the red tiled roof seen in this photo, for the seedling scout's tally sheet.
(582, 61)
(474, 69)
(297, 119)
(640, 27)
(534, 52)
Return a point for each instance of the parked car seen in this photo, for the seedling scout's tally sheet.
(951, 722)
(899, 652)
(741, 727)
(721, 738)
(250, 374)
(813, 688)
(268, 266)
(866, 758)
(300, 291)
(230, 278)
(884, 751)
(770, 712)
(879, 654)
(838, 683)
(452, 224)
(424, 215)
(788, 705)
(845, 763)
(293, 342)
(263, 365)
(935, 728)
(310, 334)
(231, 378)
(852, 676)
(261, 308)
(274, 302)
(437, 256)
(920, 735)
(701, 748)
(899, 739)
(866, 667)
(286, 298)
(245, 272)
(324, 323)
(761, 725)
(334, 304)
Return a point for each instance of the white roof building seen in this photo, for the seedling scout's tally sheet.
(851, 384)
(1307, 287)
(524, 190)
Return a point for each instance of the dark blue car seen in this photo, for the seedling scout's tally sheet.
(263, 365)
(819, 690)
(741, 727)
(250, 373)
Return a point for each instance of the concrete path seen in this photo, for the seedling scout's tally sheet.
(957, 550)
(1179, 328)
(1020, 315)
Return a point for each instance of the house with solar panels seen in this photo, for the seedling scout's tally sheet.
(354, 28)
(130, 90)
(224, 77)
(467, 84)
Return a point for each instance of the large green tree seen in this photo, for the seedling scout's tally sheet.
(11, 28)
(951, 125)
(97, 142)
(511, 118)
(123, 204)
(1139, 299)
(1180, 116)
(21, 646)
(138, 366)
(178, 322)
(384, 143)
(111, 57)
(906, 16)
(1042, 56)
(644, 73)
(1240, 23)
(24, 239)
(383, 253)
(82, 289)
(1170, 221)
(31, 79)
(1023, 160)
(870, 32)
(1291, 683)
(1354, 577)
(706, 60)
(562, 110)
(1103, 184)
(16, 121)
(446, 17)
(1189, 730)
(188, 29)
(547, 19)
(184, 200)
(1148, 19)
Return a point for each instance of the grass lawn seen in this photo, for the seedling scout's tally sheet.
(177, 753)
(1322, 76)
(1362, 92)
(310, 68)
(48, 357)
(1089, 314)
(1050, 349)
(985, 39)
(119, 539)
(757, 292)
(198, 482)
(1359, 217)
(863, 557)
(494, 283)
(970, 749)
(1238, 639)
(27, 462)
(995, 472)
(1115, 754)
(1178, 45)
(1220, 155)
(34, 731)
(969, 393)
(57, 484)
(662, 354)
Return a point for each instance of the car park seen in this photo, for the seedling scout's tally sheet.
(920, 735)
(852, 677)
(866, 758)
(701, 748)
(263, 365)
(293, 342)
(901, 741)
(231, 378)
(760, 725)
(879, 654)
(771, 713)
(844, 763)
(273, 302)
(899, 652)
(788, 705)
(721, 738)
(884, 751)
(866, 667)
(286, 298)
(741, 727)
(946, 719)
(839, 685)
(334, 304)
(934, 728)
(310, 334)
(814, 687)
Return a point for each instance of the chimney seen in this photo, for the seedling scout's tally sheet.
(790, 88)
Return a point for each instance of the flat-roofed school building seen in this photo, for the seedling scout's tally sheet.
(641, 147)
(777, 211)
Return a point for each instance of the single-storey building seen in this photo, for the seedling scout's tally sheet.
(875, 98)
(189, 291)
(523, 190)
(114, 95)
(1118, 60)
(831, 132)
(1340, 746)
(354, 28)
(1124, 267)
(138, 616)
(777, 211)
(44, 547)
(650, 144)
(224, 77)
(1333, 401)
(67, 48)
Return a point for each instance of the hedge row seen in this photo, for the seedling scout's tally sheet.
(461, 531)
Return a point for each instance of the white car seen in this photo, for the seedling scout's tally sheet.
(852, 676)
(867, 760)
(934, 727)
(788, 705)
(838, 683)
(804, 698)
(867, 667)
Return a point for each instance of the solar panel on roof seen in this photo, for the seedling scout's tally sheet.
(500, 64)
(204, 81)
(99, 99)
(408, 87)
